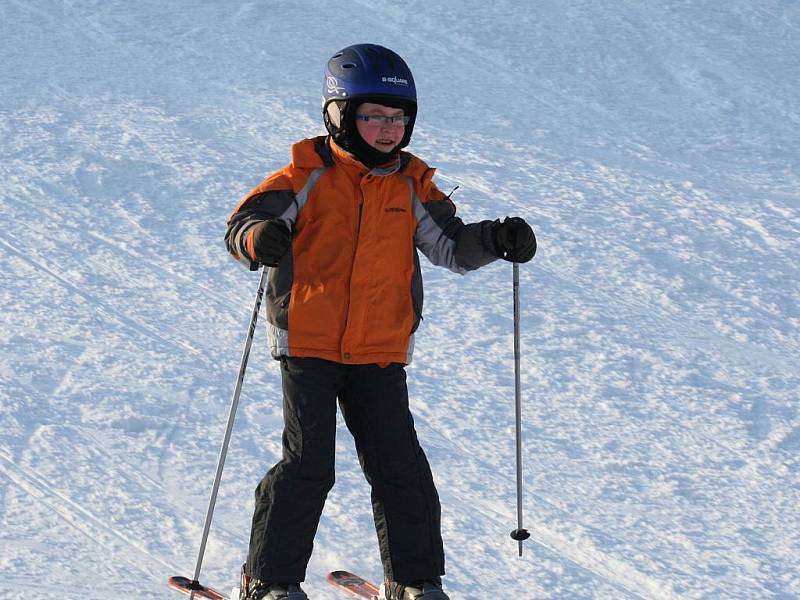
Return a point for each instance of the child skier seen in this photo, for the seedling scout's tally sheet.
(340, 226)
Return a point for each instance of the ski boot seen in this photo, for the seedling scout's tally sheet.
(276, 591)
(253, 589)
(419, 590)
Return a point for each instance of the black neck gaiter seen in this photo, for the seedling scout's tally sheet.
(366, 154)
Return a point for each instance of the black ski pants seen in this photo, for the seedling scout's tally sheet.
(290, 498)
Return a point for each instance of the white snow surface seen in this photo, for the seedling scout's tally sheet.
(653, 145)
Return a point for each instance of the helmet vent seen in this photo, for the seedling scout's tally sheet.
(338, 55)
(349, 65)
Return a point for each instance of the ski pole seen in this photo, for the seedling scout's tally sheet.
(229, 428)
(520, 534)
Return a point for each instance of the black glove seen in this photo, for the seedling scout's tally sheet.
(271, 240)
(514, 240)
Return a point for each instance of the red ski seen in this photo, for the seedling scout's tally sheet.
(354, 585)
(187, 586)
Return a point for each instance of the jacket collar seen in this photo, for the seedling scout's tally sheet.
(343, 158)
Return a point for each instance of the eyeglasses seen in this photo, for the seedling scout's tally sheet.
(384, 120)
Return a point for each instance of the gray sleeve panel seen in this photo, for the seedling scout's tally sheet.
(258, 208)
(284, 205)
(302, 196)
(447, 241)
(433, 239)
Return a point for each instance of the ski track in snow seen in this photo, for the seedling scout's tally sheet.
(655, 147)
(87, 523)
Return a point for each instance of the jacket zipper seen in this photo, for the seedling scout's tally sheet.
(346, 355)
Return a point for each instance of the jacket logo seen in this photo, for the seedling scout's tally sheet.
(394, 209)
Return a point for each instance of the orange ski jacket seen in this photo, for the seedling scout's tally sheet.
(350, 288)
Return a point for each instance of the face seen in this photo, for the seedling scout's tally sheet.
(381, 136)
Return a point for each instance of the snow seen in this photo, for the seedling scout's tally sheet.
(655, 147)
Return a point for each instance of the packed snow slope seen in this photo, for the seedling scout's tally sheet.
(654, 146)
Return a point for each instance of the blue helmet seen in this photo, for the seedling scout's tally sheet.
(365, 73)
(368, 71)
